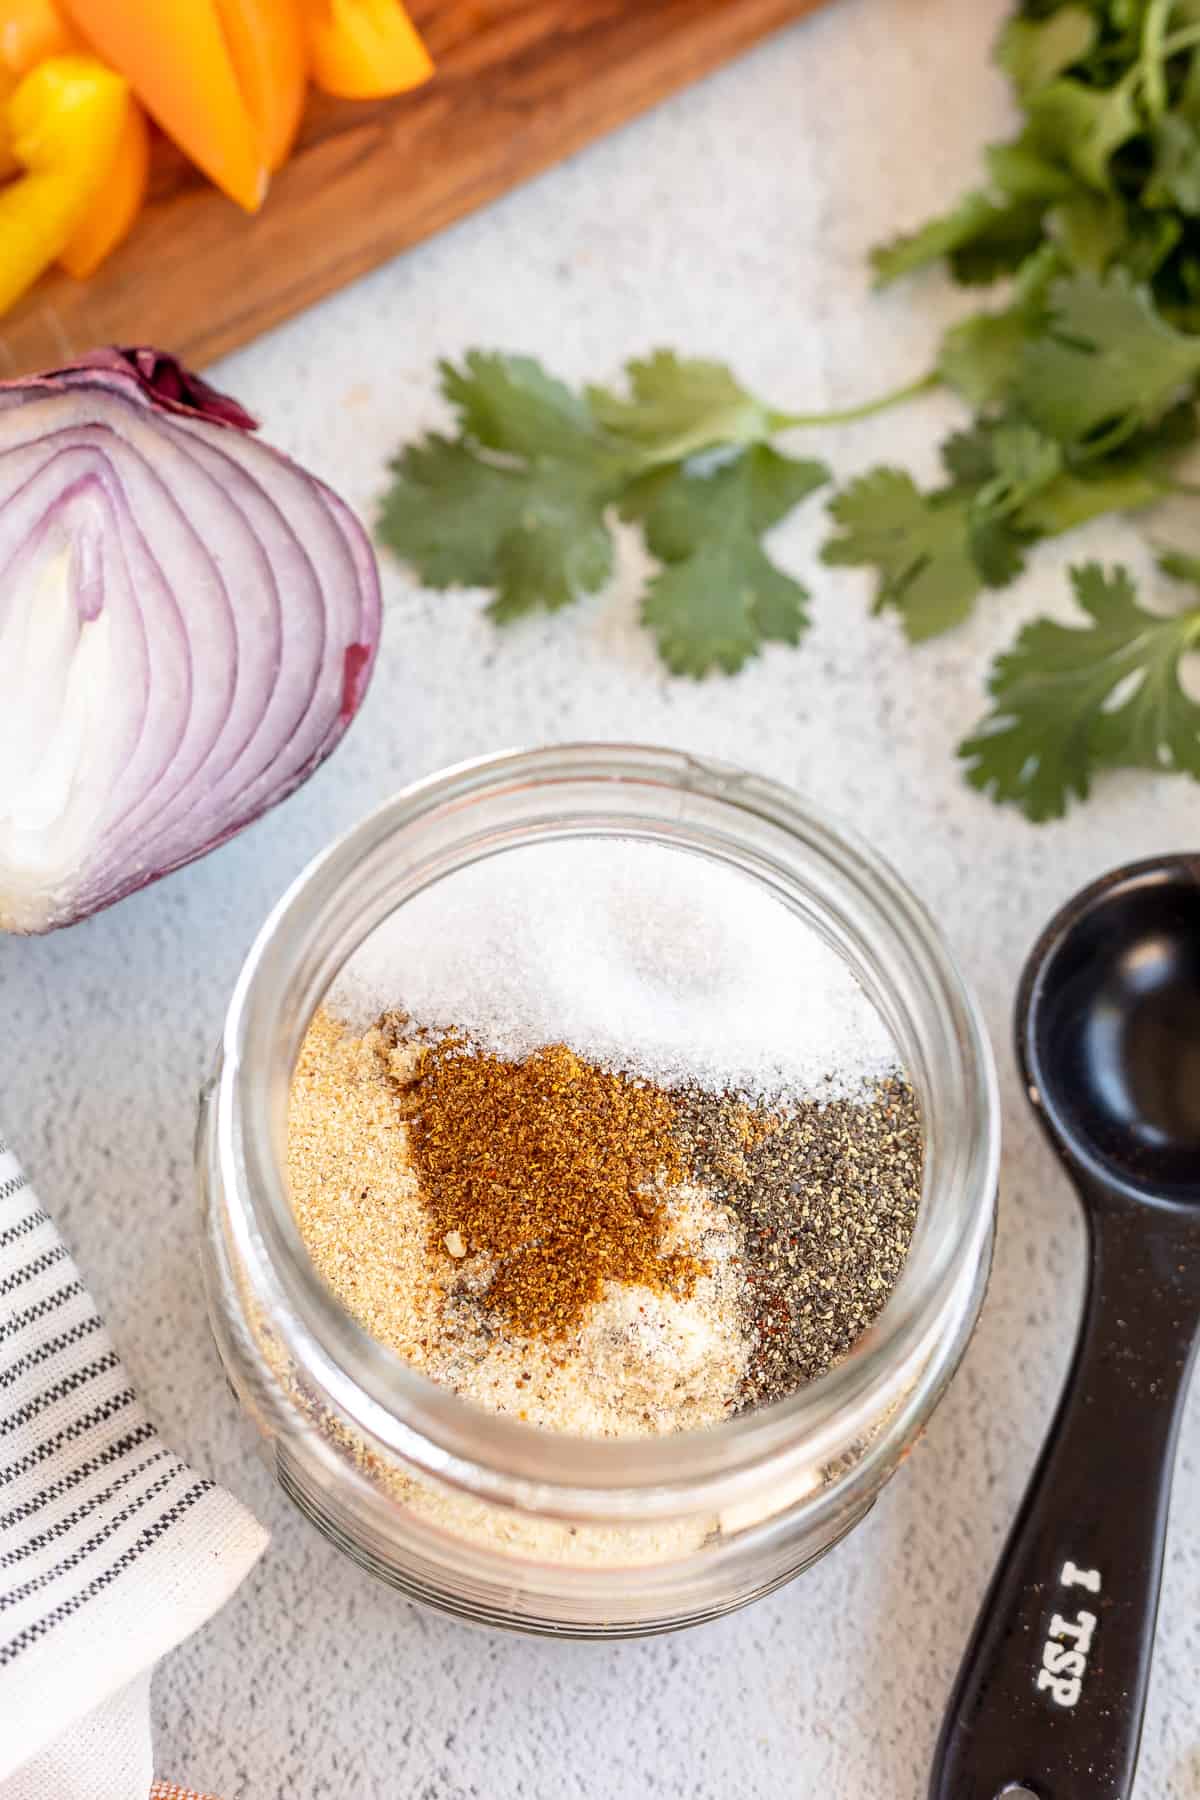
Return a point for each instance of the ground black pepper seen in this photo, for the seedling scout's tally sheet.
(826, 1196)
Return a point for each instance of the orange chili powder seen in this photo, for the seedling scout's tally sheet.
(553, 1170)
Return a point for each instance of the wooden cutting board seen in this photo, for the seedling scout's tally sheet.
(520, 84)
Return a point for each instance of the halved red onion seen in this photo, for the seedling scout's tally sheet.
(188, 622)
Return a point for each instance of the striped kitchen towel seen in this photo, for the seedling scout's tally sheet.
(112, 1550)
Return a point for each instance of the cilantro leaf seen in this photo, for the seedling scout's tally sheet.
(517, 502)
(510, 404)
(1083, 126)
(535, 535)
(708, 612)
(1176, 430)
(980, 357)
(1180, 565)
(967, 455)
(1000, 246)
(719, 597)
(998, 548)
(1024, 172)
(560, 550)
(920, 544)
(1023, 463)
(1071, 700)
(1107, 360)
(1133, 476)
(1151, 238)
(1092, 229)
(680, 406)
(985, 237)
(1073, 498)
(447, 511)
(1176, 177)
(1033, 51)
(935, 551)
(677, 507)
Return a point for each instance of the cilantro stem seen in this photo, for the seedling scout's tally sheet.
(1153, 58)
(1157, 51)
(1182, 40)
(1108, 441)
(848, 415)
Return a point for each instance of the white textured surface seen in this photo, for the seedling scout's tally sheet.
(731, 222)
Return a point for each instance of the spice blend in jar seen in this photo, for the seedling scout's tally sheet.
(601, 1136)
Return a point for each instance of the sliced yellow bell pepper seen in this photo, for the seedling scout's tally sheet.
(113, 209)
(364, 49)
(178, 63)
(30, 31)
(269, 54)
(64, 121)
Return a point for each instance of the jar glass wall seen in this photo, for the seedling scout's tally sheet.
(478, 1513)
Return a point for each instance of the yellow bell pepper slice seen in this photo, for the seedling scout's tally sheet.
(178, 63)
(364, 49)
(114, 208)
(64, 122)
(269, 54)
(30, 31)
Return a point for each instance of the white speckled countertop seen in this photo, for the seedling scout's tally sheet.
(731, 222)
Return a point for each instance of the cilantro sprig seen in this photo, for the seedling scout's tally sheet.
(1082, 381)
(1071, 701)
(522, 500)
(1084, 385)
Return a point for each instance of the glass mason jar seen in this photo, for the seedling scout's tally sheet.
(479, 1514)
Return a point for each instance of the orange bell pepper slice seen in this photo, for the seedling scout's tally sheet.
(364, 49)
(114, 208)
(178, 63)
(266, 44)
(64, 123)
(30, 31)
(8, 161)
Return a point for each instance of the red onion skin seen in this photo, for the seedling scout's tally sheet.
(161, 377)
(147, 377)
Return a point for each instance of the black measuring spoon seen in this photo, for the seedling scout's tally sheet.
(1050, 1696)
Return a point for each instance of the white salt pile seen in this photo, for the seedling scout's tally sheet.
(653, 960)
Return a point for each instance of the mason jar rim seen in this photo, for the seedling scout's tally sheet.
(703, 805)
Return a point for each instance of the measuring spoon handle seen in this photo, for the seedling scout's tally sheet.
(1050, 1696)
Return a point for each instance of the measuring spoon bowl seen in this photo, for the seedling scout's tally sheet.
(1108, 1031)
